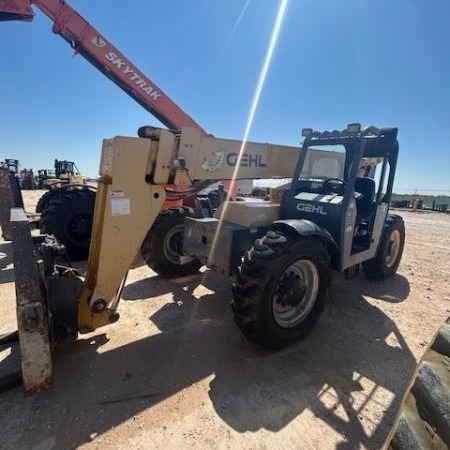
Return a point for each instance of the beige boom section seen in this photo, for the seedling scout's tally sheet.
(209, 157)
(125, 208)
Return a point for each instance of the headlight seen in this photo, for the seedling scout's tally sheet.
(353, 128)
(307, 132)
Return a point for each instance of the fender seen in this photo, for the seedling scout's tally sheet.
(307, 228)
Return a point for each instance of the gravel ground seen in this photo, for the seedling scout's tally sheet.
(174, 372)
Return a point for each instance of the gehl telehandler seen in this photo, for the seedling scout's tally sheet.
(330, 217)
(333, 215)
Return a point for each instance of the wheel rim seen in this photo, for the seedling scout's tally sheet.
(295, 293)
(393, 248)
(79, 228)
(173, 246)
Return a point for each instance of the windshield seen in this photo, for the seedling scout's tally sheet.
(323, 164)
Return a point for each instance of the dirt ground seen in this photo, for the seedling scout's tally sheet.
(175, 372)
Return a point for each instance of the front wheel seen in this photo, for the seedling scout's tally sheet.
(281, 288)
(162, 248)
(386, 261)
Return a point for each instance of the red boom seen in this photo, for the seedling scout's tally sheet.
(93, 46)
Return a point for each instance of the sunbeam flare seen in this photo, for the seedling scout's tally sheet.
(254, 106)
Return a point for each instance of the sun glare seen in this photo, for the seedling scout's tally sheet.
(253, 107)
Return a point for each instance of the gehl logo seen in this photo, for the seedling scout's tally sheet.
(315, 209)
(247, 160)
(214, 160)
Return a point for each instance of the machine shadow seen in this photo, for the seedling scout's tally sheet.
(342, 368)
(338, 371)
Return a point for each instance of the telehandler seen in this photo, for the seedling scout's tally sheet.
(331, 216)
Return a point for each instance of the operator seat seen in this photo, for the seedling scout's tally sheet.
(364, 204)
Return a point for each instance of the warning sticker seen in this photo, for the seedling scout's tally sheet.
(120, 206)
(117, 194)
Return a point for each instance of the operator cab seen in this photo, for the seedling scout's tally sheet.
(64, 168)
(343, 184)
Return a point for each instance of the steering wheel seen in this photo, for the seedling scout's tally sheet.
(338, 188)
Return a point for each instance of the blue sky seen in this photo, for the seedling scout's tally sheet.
(385, 63)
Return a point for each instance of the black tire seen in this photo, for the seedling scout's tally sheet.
(389, 255)
(423, 420)
(43, 202)
(256, 312)
(162, 248)
(69, 218)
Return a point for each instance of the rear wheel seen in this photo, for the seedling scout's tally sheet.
(281, 289)
(162, 248)
(387, 260)
(69, 218)
(56, 192)
(43, 202)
